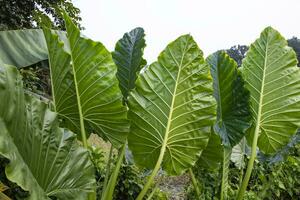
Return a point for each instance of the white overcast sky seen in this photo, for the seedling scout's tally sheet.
(214, 24)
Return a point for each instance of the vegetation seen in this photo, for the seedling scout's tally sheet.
(181, 114)
(26, 13)
(295, 44)
(274, 177)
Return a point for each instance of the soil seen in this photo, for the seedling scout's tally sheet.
(175, 186)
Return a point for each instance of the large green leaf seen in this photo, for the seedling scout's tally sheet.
(23, 48)
(12, 99)
(172, 108)
(273, 79)
(44, 159)
(128, 56)
(85, 88)
(62, 82)
(233, 112)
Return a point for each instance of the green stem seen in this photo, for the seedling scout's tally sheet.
(154, 172)
(107, 171)
(241, 176)
(195, 184)
(83, 134)
(113, 178)
(250, 165)
(152, 193)
(225, 168)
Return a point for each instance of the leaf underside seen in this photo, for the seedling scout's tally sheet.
(272, 77)
(86, 77)
(172, 104)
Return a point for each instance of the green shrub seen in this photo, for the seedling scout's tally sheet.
(275, 181)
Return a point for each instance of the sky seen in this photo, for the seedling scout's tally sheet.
(214, 24)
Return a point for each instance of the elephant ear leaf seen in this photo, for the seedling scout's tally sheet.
(172, 109)
(128, 56)
(273, 79)
(233, 111)
(86, 92)
(22, 48)
(43, 159)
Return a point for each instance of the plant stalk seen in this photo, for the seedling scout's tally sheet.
(250, 165)
(153, 174)
(152, 193)
(195, 184)
(224, 184)
(113, 178)
(107, 171)
(83, 134)
(241, 177)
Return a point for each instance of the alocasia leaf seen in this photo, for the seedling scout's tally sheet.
(22, 48)
(43, 159)
(85, 88)
(272, 77)
(172, 109)
(233, 112)
(128, 56)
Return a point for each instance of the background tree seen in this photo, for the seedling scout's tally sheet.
(238, 53)
(24, 14)
(16, 14)
(294, 42)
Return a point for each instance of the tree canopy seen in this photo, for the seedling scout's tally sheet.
(238, 53)
(16, 14)
(294, 42)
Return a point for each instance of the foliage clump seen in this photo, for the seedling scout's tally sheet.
(271, 179)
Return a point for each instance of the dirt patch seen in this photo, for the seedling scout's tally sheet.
(175, 186)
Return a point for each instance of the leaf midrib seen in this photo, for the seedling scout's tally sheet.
(130, 64)
(81, 119)
(260, 105)
(165, 142)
